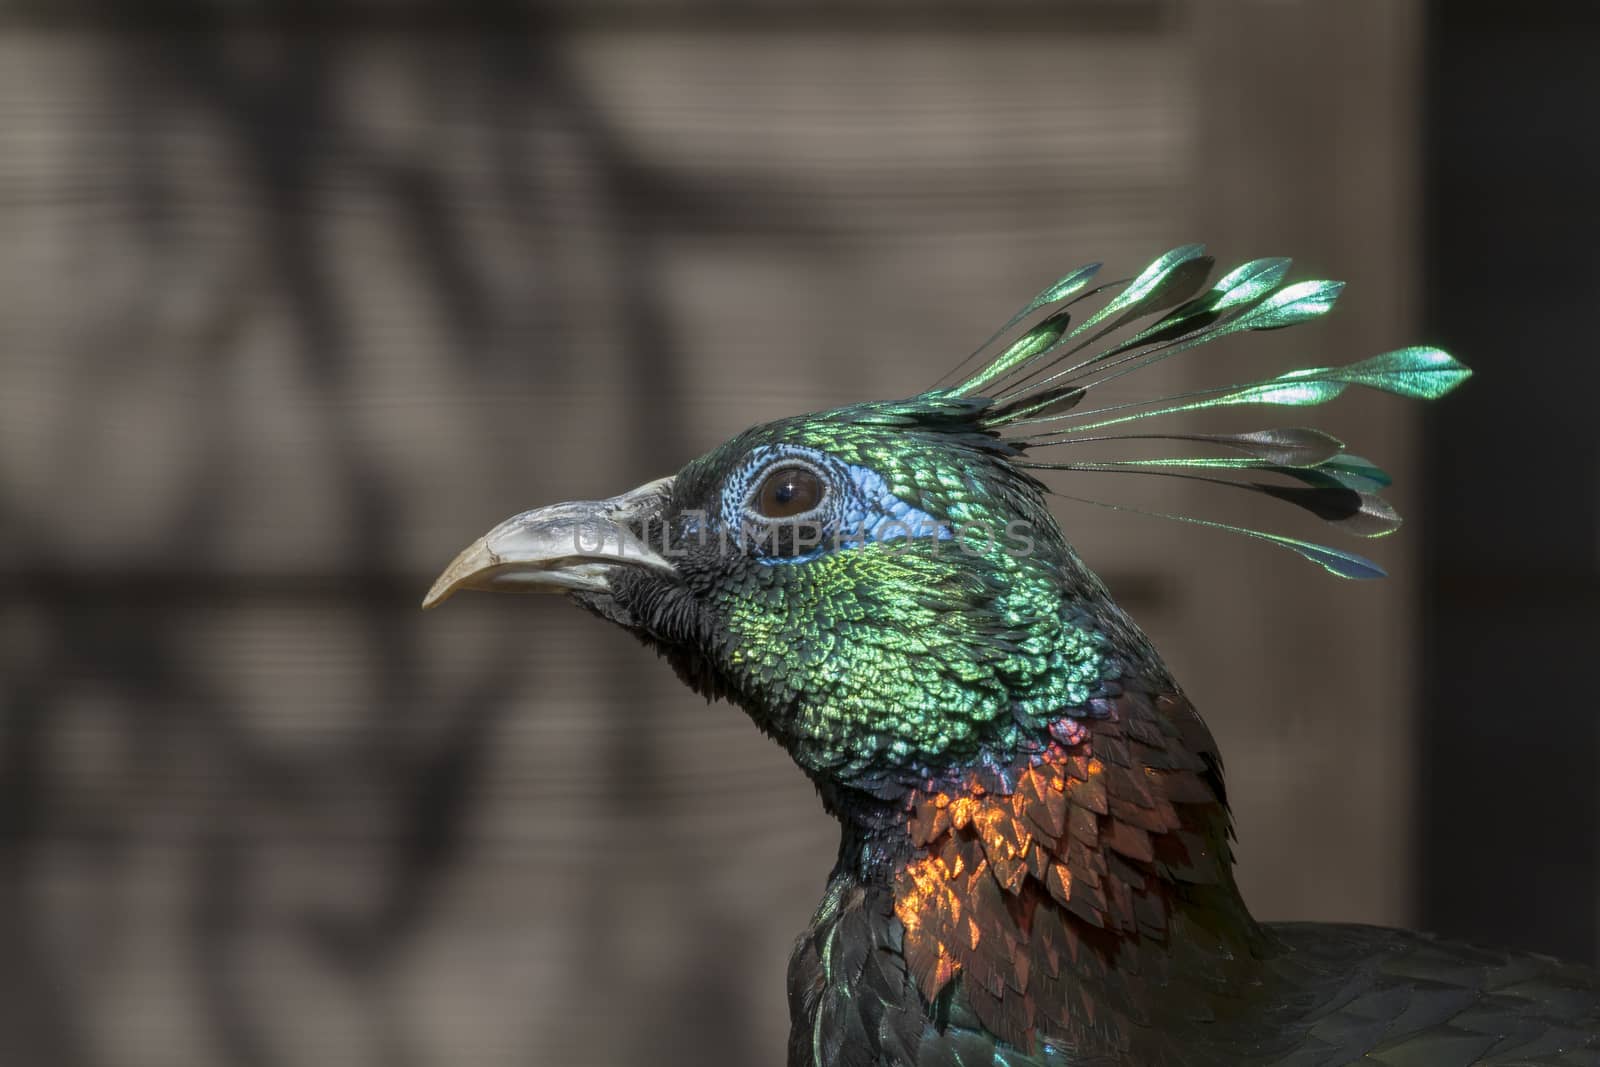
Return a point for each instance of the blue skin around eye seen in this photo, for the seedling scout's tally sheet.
(882, 516)
(859, 508)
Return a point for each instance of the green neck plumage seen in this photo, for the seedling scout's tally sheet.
(939, 665)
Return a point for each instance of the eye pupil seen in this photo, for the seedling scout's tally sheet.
(789, 491)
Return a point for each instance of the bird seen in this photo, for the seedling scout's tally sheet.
(1035, 866)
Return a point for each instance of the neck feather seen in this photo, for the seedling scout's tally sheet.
(1037, 882)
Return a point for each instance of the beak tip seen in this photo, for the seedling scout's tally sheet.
(471, 561)
(442, 590)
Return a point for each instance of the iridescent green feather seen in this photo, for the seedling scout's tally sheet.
(1039, 381)
(1019, 352)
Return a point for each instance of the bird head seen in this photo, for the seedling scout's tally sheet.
(882, 586)
(877, 585)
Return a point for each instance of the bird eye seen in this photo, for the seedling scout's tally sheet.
(789, 491)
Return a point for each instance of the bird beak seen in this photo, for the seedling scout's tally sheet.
(564, 548)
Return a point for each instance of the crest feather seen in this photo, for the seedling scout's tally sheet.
(1032, 393)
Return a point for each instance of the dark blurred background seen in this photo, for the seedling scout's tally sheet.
(296, 300)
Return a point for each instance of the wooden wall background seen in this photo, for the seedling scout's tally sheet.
(288, 313)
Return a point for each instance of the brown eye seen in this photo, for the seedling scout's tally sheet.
(787, 492)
